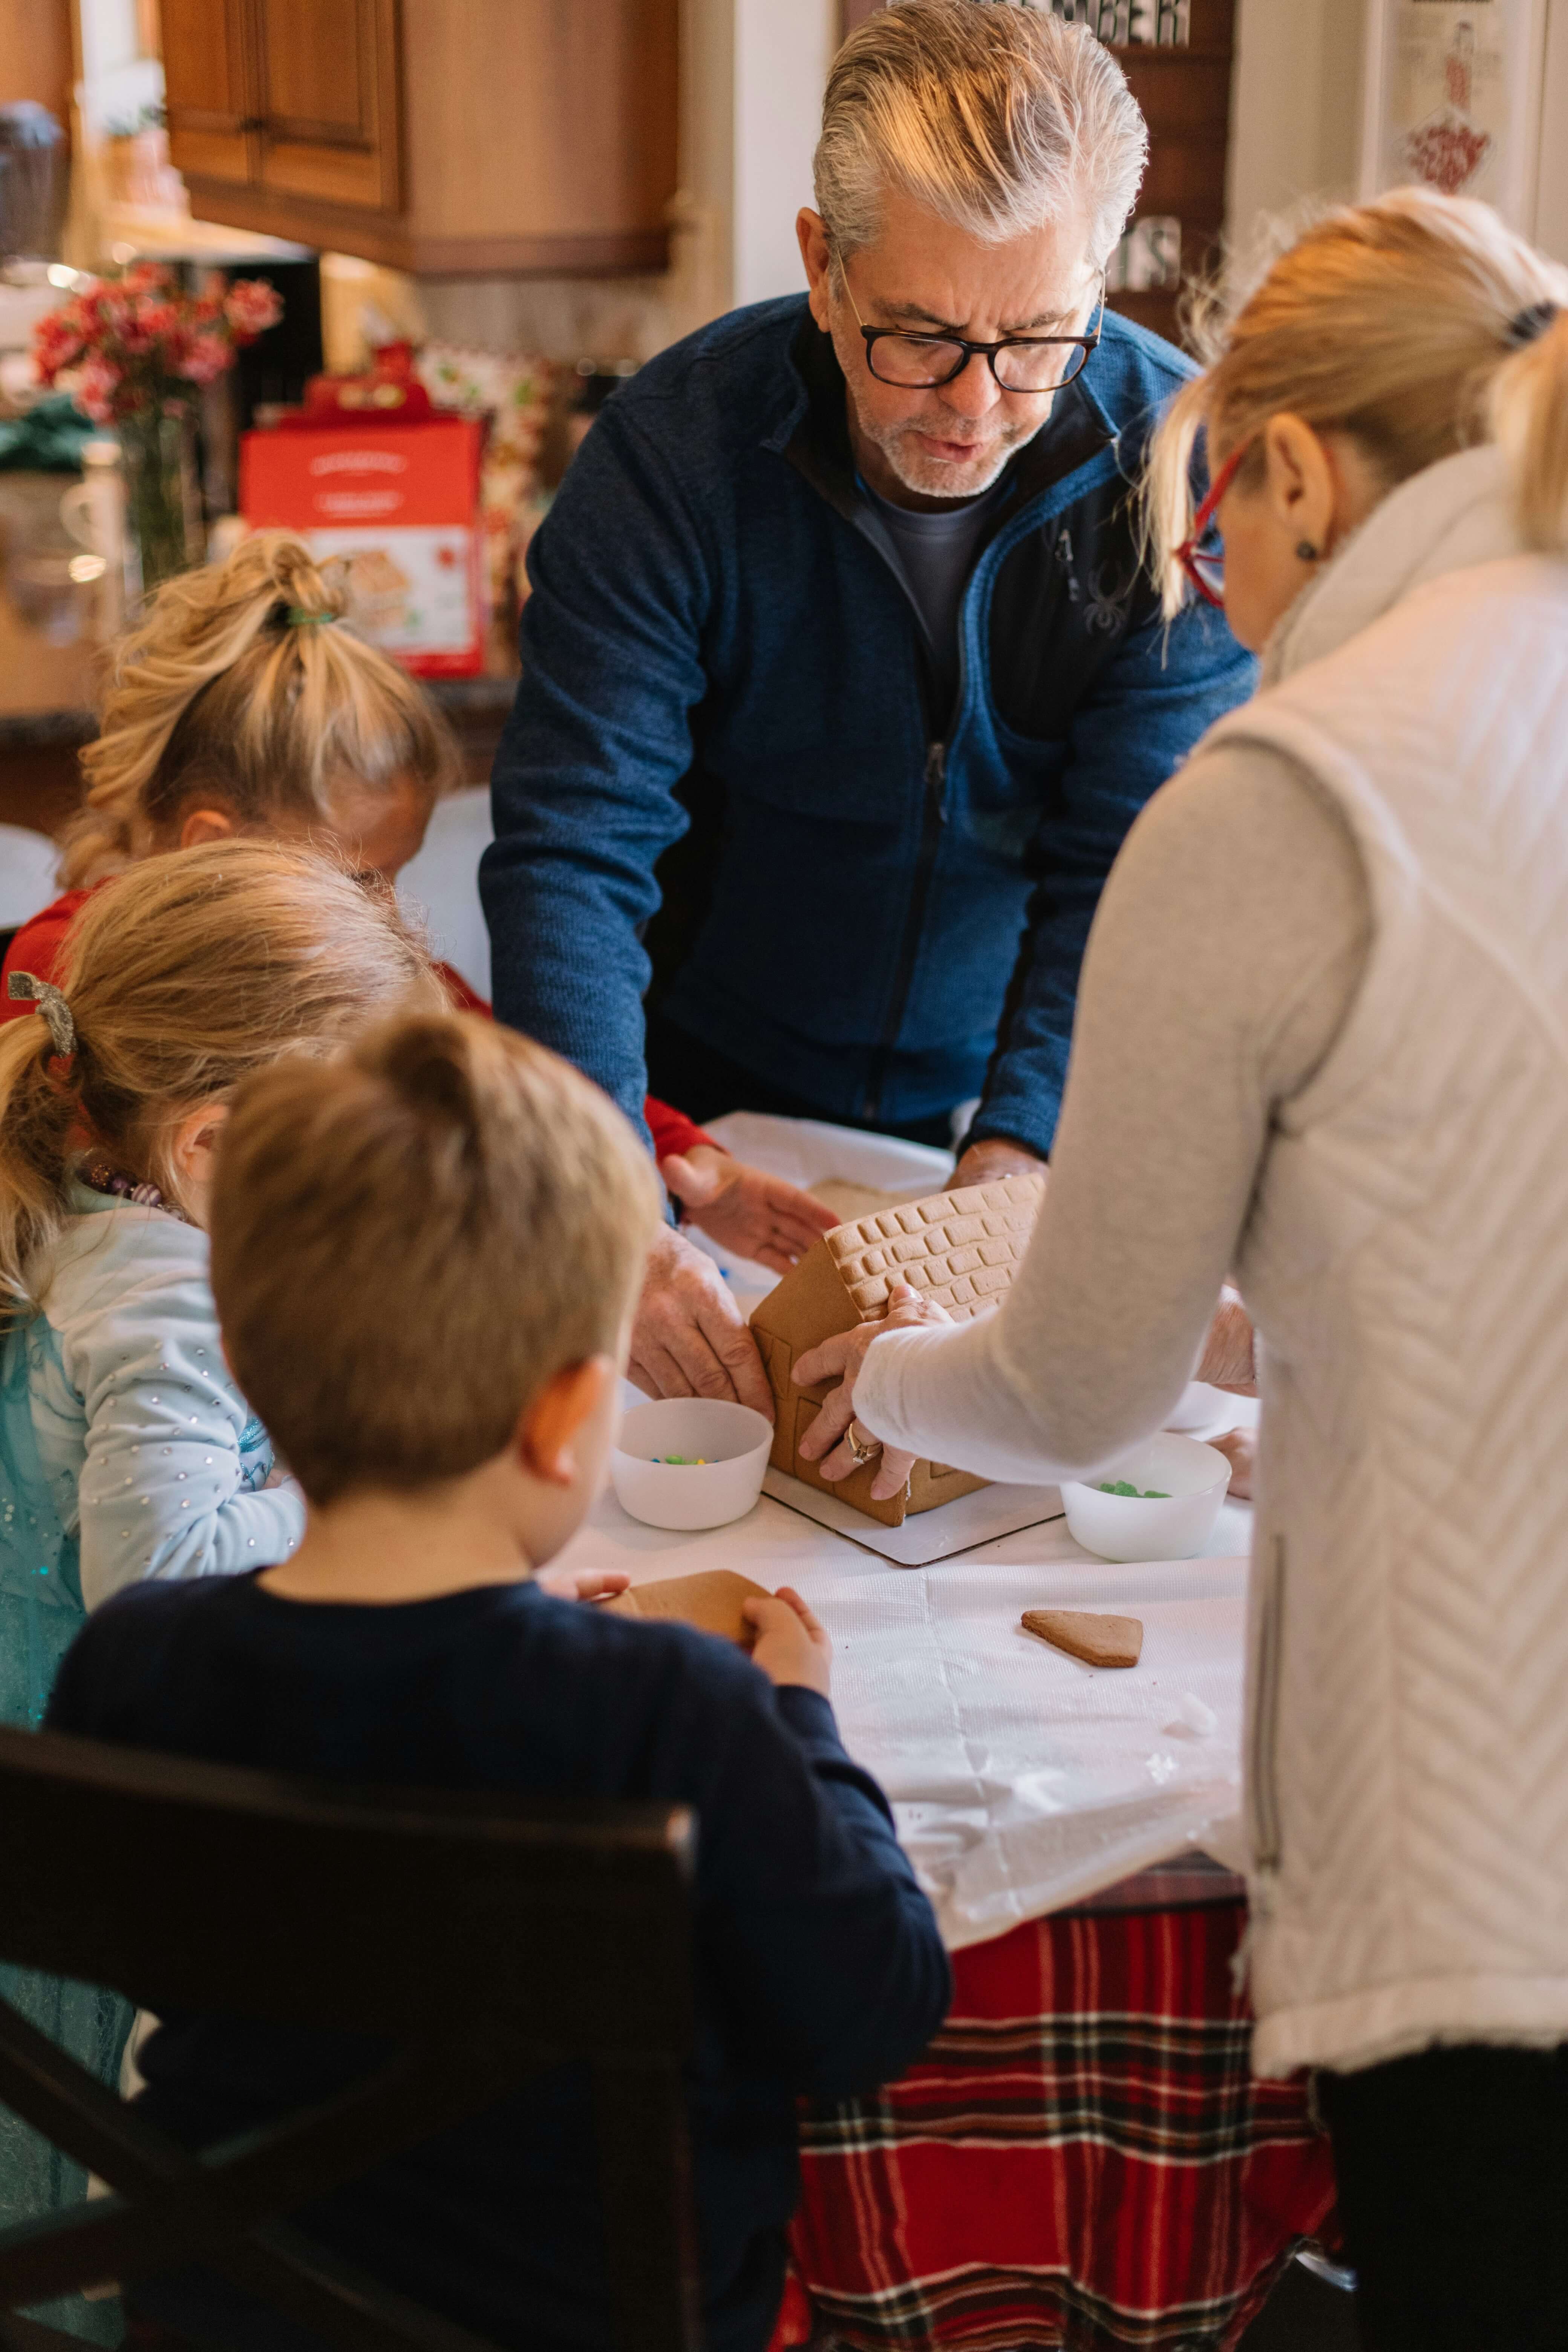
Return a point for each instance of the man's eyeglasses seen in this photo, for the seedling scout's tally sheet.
(1204, 566)
(1018, 362)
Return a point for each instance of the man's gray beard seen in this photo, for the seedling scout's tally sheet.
(930, 478)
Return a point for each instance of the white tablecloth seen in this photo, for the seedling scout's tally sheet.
(1021, 1779)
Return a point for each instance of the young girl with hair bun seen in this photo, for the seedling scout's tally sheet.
(245, 705)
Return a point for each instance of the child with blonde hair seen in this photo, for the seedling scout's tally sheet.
(245, 705)
(446, 1457)
(127, 1451)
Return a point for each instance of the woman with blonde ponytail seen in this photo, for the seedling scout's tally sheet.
(1322, 1041)
(245, 706)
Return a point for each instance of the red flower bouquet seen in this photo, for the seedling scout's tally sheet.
(134, 352)
(140, 341)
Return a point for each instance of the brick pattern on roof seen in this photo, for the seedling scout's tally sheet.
(959, 1248)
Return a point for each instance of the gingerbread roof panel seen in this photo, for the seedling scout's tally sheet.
(959, 1248)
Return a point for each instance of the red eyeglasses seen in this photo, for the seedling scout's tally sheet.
(1207, 569)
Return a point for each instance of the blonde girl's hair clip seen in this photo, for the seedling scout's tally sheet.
(25, 988)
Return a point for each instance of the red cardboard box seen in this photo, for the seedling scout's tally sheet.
(400, 504)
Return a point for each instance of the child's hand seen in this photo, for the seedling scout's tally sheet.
(1239, 1447)
(759, 1217)
(583, 1583)
(792, 1646)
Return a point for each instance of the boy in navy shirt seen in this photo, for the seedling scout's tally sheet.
(424, 1255)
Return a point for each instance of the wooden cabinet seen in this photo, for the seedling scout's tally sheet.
(207, 81)
(1184, 92)
(440, 135)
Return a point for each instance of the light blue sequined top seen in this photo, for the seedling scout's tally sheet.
(126, 1451)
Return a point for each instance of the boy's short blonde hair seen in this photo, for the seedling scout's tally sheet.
(410, 1240)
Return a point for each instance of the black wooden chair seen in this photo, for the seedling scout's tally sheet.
(193, 1886)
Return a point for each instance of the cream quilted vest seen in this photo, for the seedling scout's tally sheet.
(1406, 1262)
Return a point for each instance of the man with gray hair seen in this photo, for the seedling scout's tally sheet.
(841, 679)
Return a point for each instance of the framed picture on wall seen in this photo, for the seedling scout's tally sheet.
(1453, 99)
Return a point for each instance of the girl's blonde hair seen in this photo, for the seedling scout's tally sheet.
(183, 977)
(243, 683)
(1419, 324)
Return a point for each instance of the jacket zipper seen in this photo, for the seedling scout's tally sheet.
(933, 816)
(1263, 1785)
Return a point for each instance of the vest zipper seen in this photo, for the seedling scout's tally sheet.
(1262, 1778)
(933, 816)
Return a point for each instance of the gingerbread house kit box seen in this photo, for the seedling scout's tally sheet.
(960, 1248)
(399, 504)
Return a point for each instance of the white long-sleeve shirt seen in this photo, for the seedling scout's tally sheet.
(1229, 947)
(154, 1456)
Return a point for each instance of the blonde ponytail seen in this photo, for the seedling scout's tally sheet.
(182, 977)
(246, 683)
(1527, 409)
(37, 1111)
(1400, 323)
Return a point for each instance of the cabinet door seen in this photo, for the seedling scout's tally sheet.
(208, 90)
(327, 83)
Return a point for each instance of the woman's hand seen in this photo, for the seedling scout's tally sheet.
(583, 1583)
(758, 1216)
(831, 1440)
(792, 1646)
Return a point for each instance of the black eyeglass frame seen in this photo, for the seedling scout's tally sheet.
(1086, 343)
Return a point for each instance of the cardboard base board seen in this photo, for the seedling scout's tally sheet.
(929, 1536)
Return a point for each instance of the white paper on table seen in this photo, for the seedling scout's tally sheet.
(1021, 1779)
(925, 1537)
(806, 1151)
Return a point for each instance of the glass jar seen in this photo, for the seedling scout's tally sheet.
(163, 504)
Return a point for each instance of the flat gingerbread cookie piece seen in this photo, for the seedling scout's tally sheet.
(1098, 1641)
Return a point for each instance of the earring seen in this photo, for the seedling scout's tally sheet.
(1306, 553)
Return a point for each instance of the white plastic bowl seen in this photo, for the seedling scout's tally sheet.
(733, 1441)
(1191, 1476)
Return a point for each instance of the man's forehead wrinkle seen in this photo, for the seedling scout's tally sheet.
(914, 311)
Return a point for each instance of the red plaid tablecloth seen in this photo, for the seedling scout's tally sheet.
(1082, 2158)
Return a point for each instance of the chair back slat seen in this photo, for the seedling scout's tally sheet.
(203, 1888)
(296, 1896)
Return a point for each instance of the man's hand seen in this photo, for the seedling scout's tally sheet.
(758, 1216)
(825, 1442)
(792, 1646)
(984, 1162)
(688, 1338)
(1239, 1447)
(583, 1583)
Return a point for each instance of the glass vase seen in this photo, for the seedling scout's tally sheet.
(162, 506)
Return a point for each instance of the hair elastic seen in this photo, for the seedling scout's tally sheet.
(23, 988)
(300, 619)
(1529, 325)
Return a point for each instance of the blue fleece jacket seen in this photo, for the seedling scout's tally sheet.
(728, 719)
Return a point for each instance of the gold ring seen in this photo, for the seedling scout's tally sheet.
(861, 1453)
